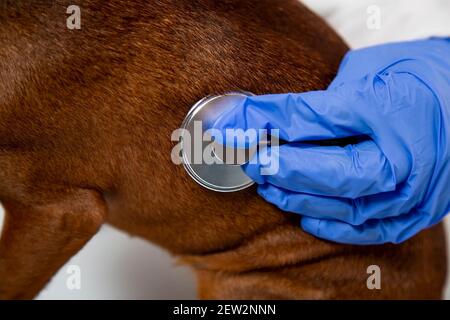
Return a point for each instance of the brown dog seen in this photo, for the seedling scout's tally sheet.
(85, 123)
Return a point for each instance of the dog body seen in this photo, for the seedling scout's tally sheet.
(85, 123)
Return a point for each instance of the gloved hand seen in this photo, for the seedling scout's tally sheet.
(389, 186)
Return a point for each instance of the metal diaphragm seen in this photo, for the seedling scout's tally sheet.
(200, 155)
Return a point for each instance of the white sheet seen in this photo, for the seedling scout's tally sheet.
(399, 20)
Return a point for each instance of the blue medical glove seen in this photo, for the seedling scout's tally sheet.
(394, 182)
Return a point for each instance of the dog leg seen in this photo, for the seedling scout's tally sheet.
(38, 239)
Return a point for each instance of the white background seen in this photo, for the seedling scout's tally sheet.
(116, 266)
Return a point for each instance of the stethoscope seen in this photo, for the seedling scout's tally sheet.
(217, 174)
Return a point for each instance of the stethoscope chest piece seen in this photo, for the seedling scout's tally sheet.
(214, 175)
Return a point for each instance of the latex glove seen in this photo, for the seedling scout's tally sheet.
(384, 189)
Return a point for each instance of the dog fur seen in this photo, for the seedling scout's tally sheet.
(85, 123)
